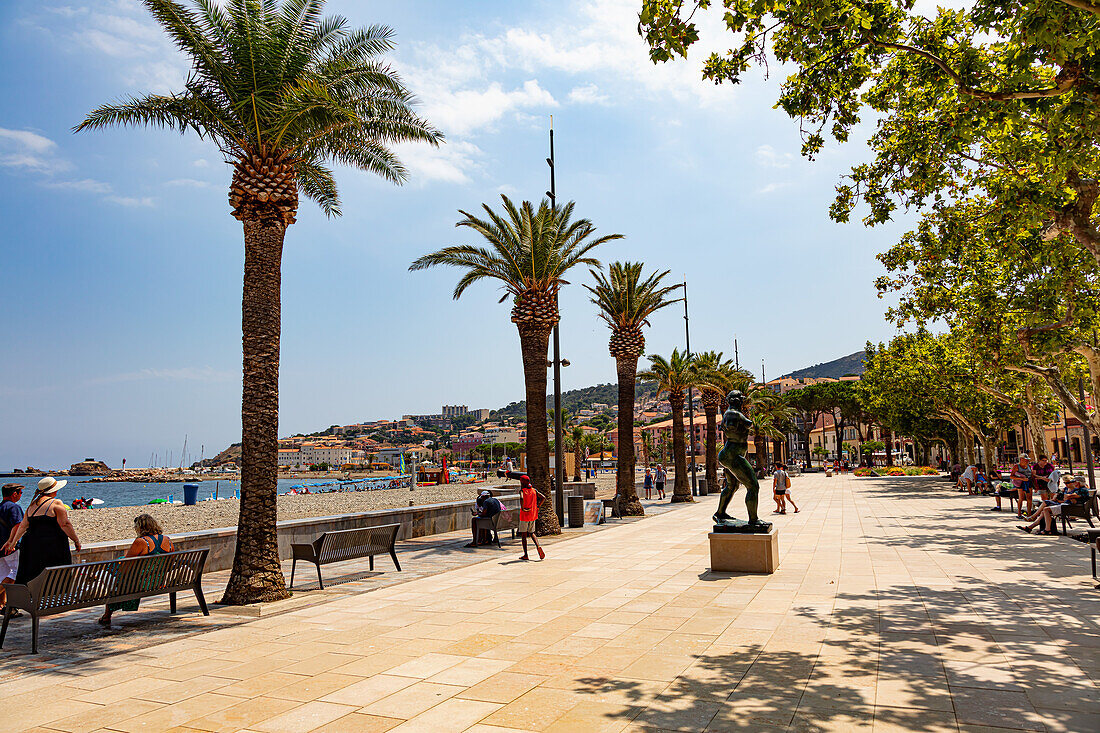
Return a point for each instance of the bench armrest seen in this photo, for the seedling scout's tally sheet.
(19, 596)
(304, 552)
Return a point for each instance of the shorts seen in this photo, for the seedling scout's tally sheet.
(1056, 509)
(526, 527)
(780, 492)
(9, 564)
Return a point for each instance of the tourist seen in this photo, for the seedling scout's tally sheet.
(11, 514)
(659, 481)
(151, 540)
(1075, 493)
(779, 488)
(1021, 480)
(966, 480)
(45, 531)
(486, 507)
(1042, 472)
(528, 512)
(647, 483)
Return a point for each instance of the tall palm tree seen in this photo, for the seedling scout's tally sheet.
(716, 378)
(647, 446)
(530, 251)
(283, 92)
(626, 301)
(673, 376)
(768, 413)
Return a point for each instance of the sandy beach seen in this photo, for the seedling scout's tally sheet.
(115, 523)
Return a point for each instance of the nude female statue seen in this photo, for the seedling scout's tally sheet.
(737, 468)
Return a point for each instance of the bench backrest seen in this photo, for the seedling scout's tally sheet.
(346, 544)
(92, 583)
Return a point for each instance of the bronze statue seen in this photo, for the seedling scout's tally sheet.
(737, 469)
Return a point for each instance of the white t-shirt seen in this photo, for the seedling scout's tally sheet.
(779, 481)
(968, 474)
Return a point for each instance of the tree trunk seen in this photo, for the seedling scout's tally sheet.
(971, 459)
(681, 491)
(711, 448)
(1034, 417)
(257, 574)
(629, 504)
(534, 344)
(889, 447)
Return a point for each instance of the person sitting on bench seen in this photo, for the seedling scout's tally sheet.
(966, 479)
(488, 506)
(1075, 493)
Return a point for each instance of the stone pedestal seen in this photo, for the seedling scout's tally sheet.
(744, 553)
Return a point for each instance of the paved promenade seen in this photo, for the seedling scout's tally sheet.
(898, 606)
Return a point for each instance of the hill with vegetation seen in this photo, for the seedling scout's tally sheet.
(574, 400)
(845, 366)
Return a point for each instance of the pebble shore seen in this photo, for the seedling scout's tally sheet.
(116, 523)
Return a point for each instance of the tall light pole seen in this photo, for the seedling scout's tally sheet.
(691, 396)
(559, 455)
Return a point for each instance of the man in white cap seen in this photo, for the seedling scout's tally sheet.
(488, 507)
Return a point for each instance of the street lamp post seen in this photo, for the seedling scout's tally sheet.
(559, 455)
(691, 396)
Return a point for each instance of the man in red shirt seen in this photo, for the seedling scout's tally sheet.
(528, 511)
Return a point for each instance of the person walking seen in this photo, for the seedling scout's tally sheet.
(45, 531)
(528, 512)
(151, 540)
(659, 480)
(781, 485)
(11, 514)
(647, 483)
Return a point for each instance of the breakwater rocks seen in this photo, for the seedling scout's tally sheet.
(89, 467)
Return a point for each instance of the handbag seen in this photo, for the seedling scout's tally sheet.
(787, 482)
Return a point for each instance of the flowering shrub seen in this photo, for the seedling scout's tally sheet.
(928, 471)
(895, 471)
(864, 472)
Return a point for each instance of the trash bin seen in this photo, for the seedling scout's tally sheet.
(190, 494)
(702, 485)
(576, 511)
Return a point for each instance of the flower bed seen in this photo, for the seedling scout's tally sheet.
(896, 471)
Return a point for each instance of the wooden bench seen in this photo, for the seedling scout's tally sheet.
(502, 521)
(69, 587)
(347, 544)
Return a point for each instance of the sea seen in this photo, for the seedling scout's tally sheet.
(126, 493)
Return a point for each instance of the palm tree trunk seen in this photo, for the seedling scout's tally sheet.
(681, 491)
(257, 574)
(629, 505)
(534, 344)
(711, 448)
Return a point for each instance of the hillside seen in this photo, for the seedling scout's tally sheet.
(842, 367)
(574, 400)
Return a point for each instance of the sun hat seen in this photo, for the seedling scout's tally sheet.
(1025, 457)
(50, 485)
(485, 493)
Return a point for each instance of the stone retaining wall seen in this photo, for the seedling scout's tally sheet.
(415, 521)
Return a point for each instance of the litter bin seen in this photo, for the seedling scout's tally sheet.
(702, 485)
(190, 494)
(576, 511)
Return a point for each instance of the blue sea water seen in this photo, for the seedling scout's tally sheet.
(124, 493)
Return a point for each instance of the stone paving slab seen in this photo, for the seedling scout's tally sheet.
(75, 637)
(898, 606)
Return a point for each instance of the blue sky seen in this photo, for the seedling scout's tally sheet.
(121, 295)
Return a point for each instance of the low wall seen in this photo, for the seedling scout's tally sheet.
(415, 521)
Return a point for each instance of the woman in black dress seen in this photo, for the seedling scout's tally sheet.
(45, 531)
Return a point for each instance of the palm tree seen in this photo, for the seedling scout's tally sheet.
(647, 446)
(626, 302)
(529, 251)
(768, 413)
(673, 376)
(281, 91)
(578, 451)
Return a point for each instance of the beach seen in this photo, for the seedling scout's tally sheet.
(115, 523)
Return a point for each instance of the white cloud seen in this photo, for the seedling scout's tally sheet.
(449, 163)
(189, 374)
(768, 157)
(187, 182)
(465, 111)
(26, 150)
(772, 188)
(89, 185)
(587, 94)
(133, 201)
